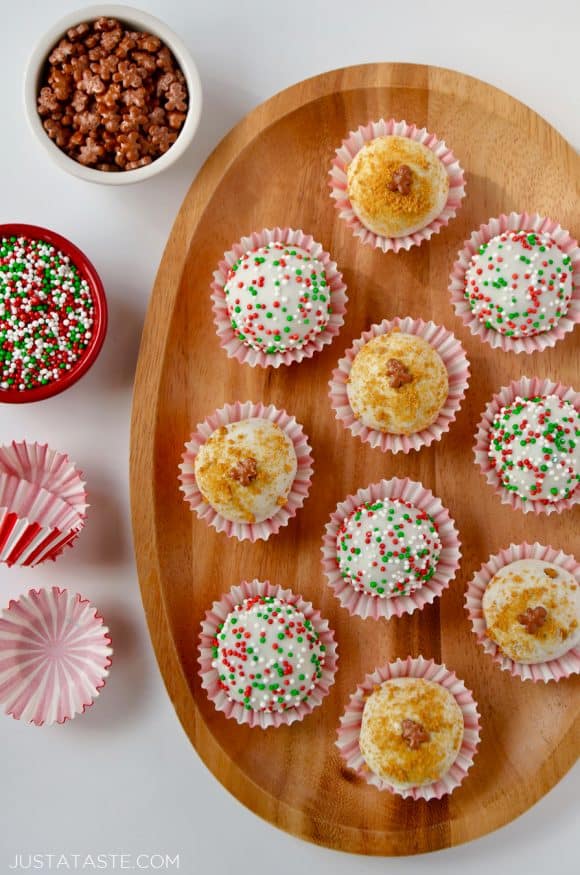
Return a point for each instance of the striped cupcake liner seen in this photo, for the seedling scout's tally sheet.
(516, 222)
(362, 604)
(552, 670)
(348, 741)
(234, 347)
(455, 360)
(300, 487)
(210, 677)
(525, 387)
(42, 503)
(339, 188)
(55, 654)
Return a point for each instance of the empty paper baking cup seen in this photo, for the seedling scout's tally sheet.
(339, 188)
(364, 605)
(236, 348)
(453, 356)
(495, 227)
(351, 721)
(526, 387)
(42, 503)
(210, 679)
(300, 487)
(55, 654)
(554, 669)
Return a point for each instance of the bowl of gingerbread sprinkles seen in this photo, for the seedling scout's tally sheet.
(112, 95)
(53, 314)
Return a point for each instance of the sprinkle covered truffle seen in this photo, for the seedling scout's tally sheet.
(46, 313)
(519, 283)
(535, 448)
(268, 655)
(278, 298)
(388, 548)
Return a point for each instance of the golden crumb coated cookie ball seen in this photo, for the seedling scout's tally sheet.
(396, 186)
(411, 733)
(245, 470)
(532, 611)
(397, 383)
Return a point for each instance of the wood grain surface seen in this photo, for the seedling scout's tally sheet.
(272, 169)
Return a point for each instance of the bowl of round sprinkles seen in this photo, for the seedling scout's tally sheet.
(53, 314)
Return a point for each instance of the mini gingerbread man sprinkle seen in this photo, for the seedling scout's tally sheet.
(533, 619)
(401, 180)
(398, 373)
(245, 471)
(414, 734)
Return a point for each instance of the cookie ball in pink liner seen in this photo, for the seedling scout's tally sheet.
(268, 655)
(290, 639)
(535, 448)
(397, 384)
(396, 186)
(539, 557)
(412, 568)
(55, 653)
(277, 297)
(275, 313)
(532, 611)
(288, 437)
(524, 282)
(448, 750)
(388, 548)
(246, 469)
(519, 283)
(409, 174)
(411, 732)
(396, 381)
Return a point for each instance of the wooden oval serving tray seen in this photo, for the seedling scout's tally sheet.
(272, 170)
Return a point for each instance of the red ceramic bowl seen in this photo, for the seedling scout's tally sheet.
(84, 266)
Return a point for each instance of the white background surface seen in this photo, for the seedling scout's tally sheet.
(124, 778)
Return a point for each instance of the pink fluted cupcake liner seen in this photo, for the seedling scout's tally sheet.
(234, 347)
(338, 182)
(516, 222)
(554, 669)
(42, 503)
(526, 387)
(300, 487)
(453, 357)
(210, 677)
(55, 654)
(364, 605)
(351, 720)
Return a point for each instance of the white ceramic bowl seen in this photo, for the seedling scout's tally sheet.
(139, 21)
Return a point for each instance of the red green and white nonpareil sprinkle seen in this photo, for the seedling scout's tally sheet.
(535, 448)
(388, 548)
(46, 313)
(278, 298)
(519, 283)
(268, 655)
